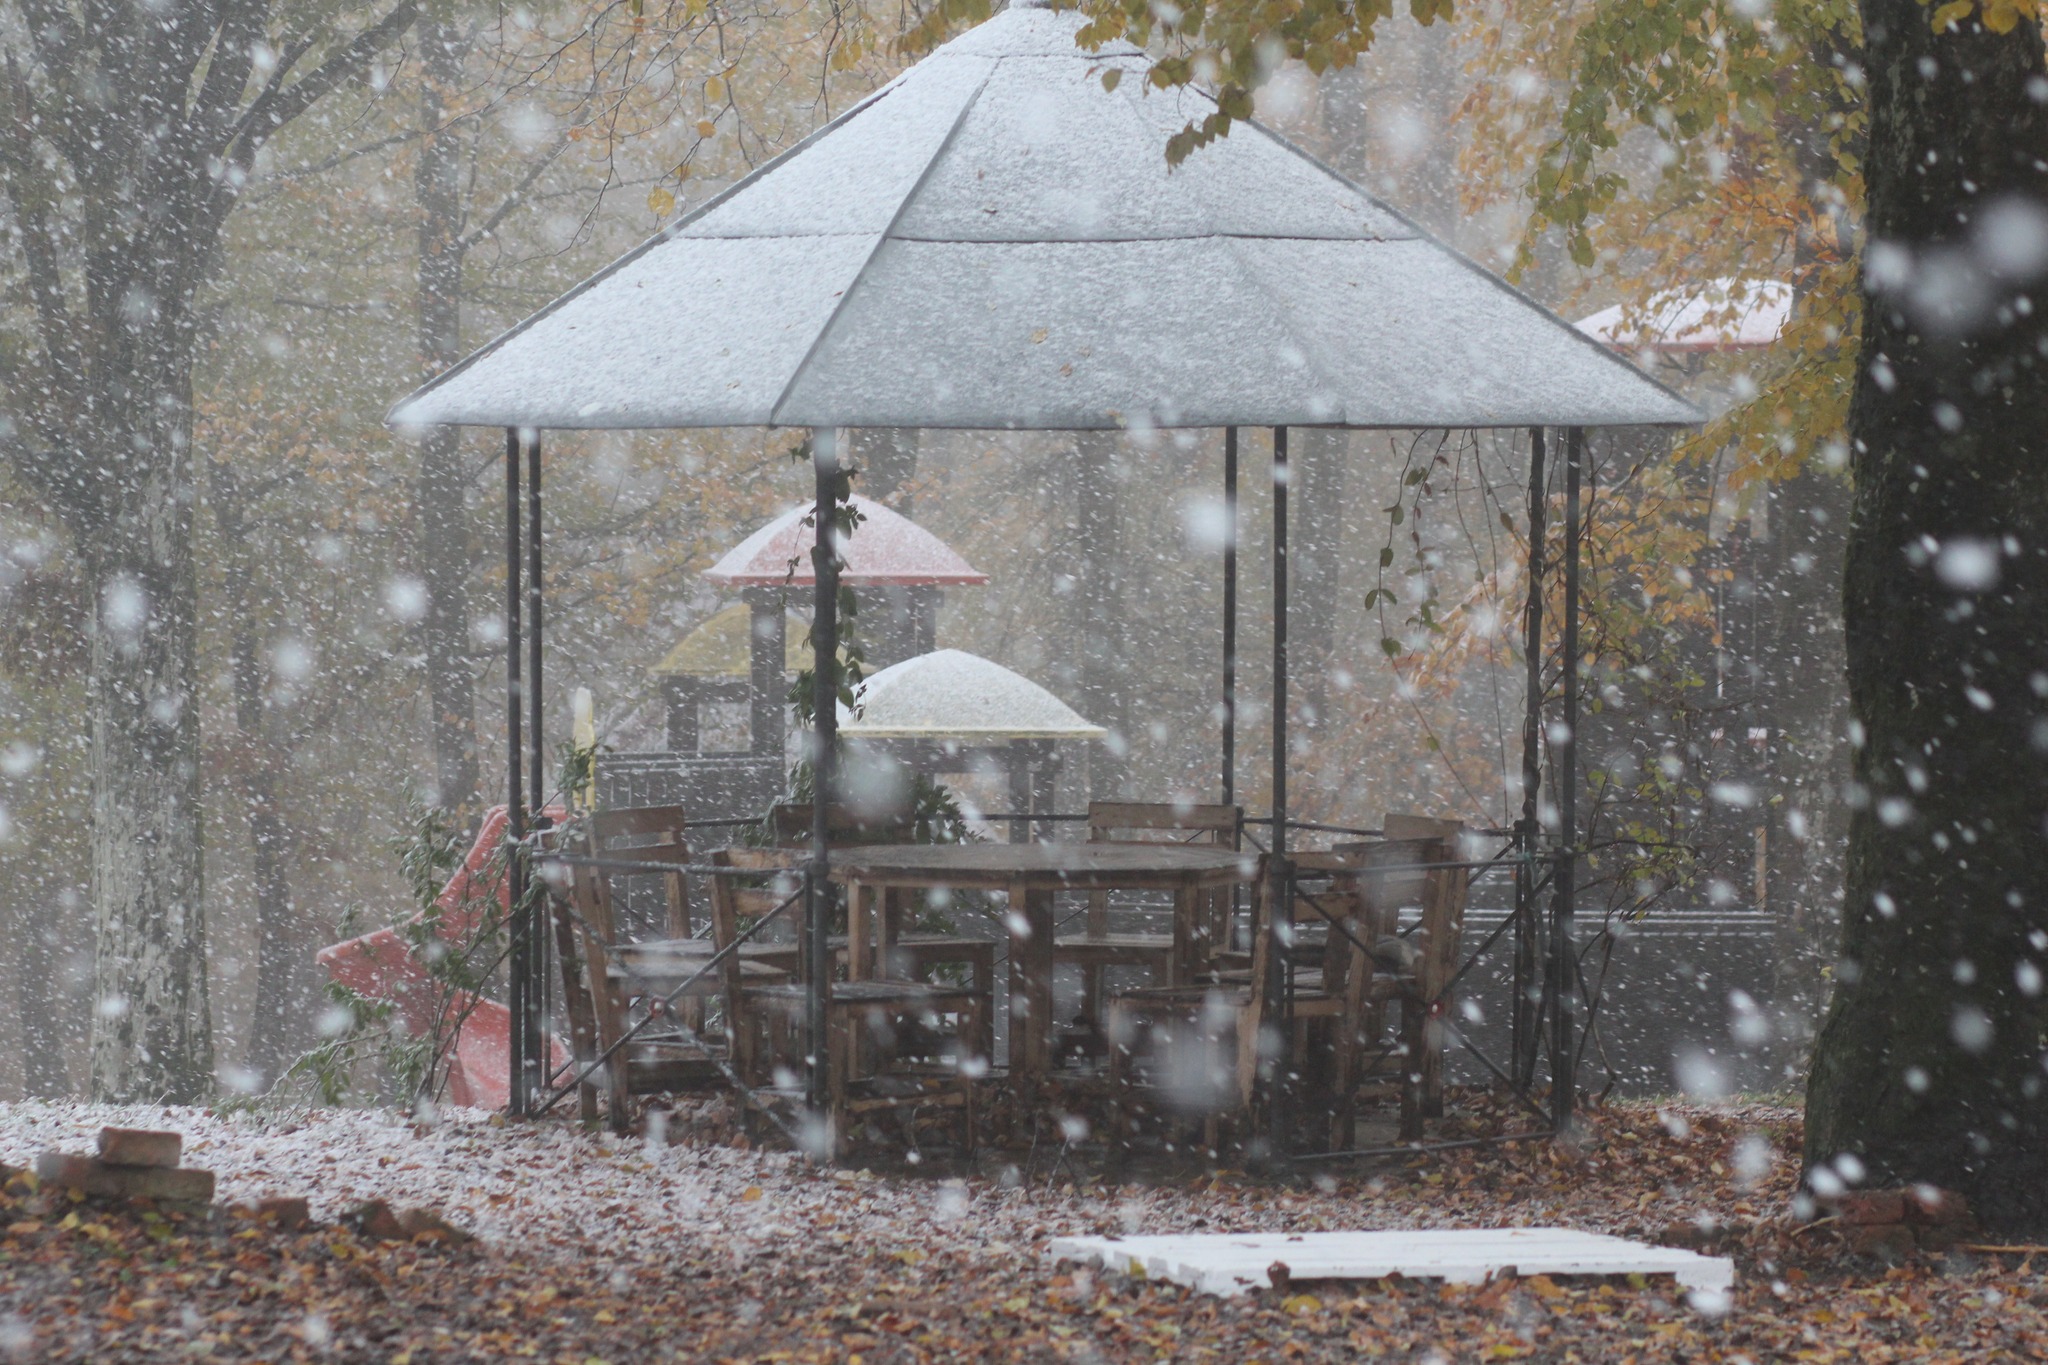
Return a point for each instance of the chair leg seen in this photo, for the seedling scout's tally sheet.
(843, 1043)
(619, 1103)
(970, 1119)
(1413, 1013)
(1118, 1037)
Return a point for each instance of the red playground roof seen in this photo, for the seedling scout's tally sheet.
(885, 548)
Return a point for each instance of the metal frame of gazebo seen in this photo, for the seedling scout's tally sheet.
(1545, 1016)
(1545, 865)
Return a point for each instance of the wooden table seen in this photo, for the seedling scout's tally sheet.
(1031, 875)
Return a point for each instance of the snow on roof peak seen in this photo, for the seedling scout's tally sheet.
(885, 548)
(951, 694)
(1725, 314)
(996, 240)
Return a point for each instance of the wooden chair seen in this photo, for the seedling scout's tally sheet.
(610, 980)
(891, 953)
(1206, 1042)
(1341, 981)
(1411, 868)
(890, 1044)
(1096, 949)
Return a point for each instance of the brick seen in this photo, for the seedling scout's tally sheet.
(89, 1175)
(140, 1147)
(425, 1225)
(1889, 1243)
(374, 1218)
(1872, 1208)
(290, 1212)
(286, 1213)
(1930, 1206)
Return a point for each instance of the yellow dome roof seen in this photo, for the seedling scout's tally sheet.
(719, 647)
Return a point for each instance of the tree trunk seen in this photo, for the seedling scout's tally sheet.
(43, 1074)
(1929, 1065)
(441, 506)
(282, 1008)
(152, 1035)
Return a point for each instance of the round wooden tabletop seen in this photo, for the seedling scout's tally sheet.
(1064, 865)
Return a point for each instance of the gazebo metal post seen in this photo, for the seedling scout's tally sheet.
(1525, 1018)
(1562, 1041)
(824, 742)
(1229, 615)
(531, 1040)
(515, 784)
(1276, 1028)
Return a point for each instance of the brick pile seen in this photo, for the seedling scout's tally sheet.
(138, 1163)
(133, 1163)
(1893, 1223)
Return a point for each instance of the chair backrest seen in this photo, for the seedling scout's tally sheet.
(1164, 822)
(737, 901)
(849, 824)
(639, 834)
(1441, 892)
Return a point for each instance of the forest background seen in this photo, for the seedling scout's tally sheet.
(349, 579)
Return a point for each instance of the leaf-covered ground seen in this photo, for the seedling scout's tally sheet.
(597, 1249)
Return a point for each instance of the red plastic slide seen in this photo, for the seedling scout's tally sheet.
(382, 966)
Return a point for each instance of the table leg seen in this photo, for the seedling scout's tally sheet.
(1180, 963)
(889, 918)
(1031, 1030)
(859, 931)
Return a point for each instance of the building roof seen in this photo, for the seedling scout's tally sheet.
(951, 694)
(720, 646)
(994, 240)
(885, 548)
(1727, 314)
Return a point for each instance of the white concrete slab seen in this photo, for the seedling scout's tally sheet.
(1237, 1263)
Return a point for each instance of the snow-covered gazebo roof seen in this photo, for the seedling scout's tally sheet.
(886, 548)
(1726, 314)
(994, 240)
(951, 694)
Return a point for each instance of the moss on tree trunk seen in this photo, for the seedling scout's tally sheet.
(1928, 1066)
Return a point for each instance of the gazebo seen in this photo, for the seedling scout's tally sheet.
(994, 240)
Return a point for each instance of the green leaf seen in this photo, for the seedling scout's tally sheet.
(1112, 77)
(1386, 555)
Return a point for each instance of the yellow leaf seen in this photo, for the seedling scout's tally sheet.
(714, 90)
(1303, 1303)
(750, 1194)
(1954, 12)
(1038, 336)
(706, 128)
(662, 203)
(2001, 16)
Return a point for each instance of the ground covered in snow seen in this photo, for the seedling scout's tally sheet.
(593, 1248)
